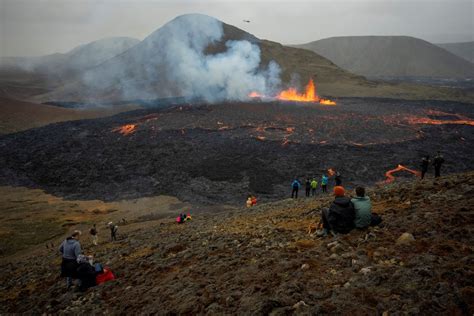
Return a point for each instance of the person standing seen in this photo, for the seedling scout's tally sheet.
(94, 235)
(437, 163)
(113, 231)
(314, 186)
(295, 185)
(324, 183)
(70, 250)
(338, 178)
(425, 162)
(308, 187)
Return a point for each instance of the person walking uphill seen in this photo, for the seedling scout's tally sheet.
(340, 215)
(425, 162)
(70, 250)
(437, 163)
(308, 187)
(296, 186)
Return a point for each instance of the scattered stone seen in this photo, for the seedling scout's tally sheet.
(405, 239)
(305, 266)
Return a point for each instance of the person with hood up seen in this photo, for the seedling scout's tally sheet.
(308, 187)
(363, 210)
(324, 183)
(86, 272)
(70, 250)
(314, 186)
(295, 185)
(339, 218)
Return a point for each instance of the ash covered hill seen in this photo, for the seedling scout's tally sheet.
(464, 50)
(263, 261)
(201, 57)
(391, 56)
(23, 77)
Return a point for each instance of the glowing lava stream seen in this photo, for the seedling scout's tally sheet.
(125, 129)
(292, 94)
(390, 177)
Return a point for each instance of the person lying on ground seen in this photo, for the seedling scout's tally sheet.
(339, 217)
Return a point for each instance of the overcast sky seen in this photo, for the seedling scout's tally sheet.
(38, 27)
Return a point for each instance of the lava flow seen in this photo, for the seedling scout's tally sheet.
(125, 129)
(292, 94)
(390, 177)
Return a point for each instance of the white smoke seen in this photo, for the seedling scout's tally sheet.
(173, 62)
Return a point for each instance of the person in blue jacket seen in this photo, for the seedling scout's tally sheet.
(295, 185)
(324, 183)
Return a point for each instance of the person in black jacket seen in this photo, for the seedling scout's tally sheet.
(86, 272)
(308, 187)
(339, 218)
(437, 163)
(425, 162)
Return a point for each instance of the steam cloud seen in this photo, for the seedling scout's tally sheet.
(175, 56)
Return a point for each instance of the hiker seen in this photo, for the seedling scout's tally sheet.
(425, 162)
(295, 185)
(307, 187)
(249, 201)
(70, 250)
(324, 183)
(113, 231)
(437, 162)
(363, 210)
(86, 272)
(95, 235)
(254, 200)
(338, 179)
(314, 186)
(339, 217)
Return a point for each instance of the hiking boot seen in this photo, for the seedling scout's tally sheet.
(322, 232)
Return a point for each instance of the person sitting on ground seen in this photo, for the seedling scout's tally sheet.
(314, 186)
(113, 231)
(307, 187)
(95, 235)
(70, 250)
(86, 272)
(339, 217)
(363, 208)
(295, 185)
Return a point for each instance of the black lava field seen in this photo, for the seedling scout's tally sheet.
(219, 153)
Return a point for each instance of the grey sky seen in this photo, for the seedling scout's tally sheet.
(37, 27)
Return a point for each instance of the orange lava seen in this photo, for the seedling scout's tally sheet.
(331, 172)
(292, 94)
(391, 178)
(425, 120)
(125, 130)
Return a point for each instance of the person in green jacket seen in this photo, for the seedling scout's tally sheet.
(314, 186)
(363, 210)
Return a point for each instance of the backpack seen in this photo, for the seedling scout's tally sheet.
(295, 185)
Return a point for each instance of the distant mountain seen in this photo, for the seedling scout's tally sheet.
(391, 56)
(464, 50)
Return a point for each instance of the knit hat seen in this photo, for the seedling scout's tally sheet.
(339, 190)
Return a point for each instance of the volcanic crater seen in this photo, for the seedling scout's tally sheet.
(219, 153)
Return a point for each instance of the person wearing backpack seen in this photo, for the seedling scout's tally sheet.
(295, 185)
(314, 186)
(94, 235)
(113, 231)
(70, 250)
(308, 187)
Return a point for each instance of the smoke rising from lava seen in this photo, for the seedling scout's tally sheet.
(175, 56)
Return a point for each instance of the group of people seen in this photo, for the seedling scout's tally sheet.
(311, 185)
(344, 214)
(76, 265)
(437, 162)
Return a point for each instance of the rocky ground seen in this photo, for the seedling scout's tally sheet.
(218, 154)
(263, 261)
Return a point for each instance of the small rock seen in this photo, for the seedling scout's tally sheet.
(365, 270)
(405, 239)
(334, 256)
(299, 305)
(305, 266)
(347, 284)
